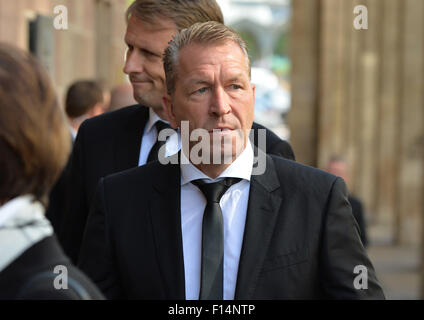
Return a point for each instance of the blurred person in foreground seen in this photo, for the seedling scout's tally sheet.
(34, 147)
(214, 230)
(338, 166)
(128, 137)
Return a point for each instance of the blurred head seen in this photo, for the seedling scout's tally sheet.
(84, 99)
(121, 96)
(150, 26)
(337, 166)
(208, 79)
(34, 138)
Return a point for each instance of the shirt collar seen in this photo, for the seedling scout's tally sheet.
(153, 118)
(240, 168)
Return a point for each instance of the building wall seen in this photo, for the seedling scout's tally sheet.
(91, 47)
(359, 93)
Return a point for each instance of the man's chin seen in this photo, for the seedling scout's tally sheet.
(148, 100)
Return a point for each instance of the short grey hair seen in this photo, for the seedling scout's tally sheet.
(210, 32)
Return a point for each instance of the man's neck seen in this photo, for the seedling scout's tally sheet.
(161, 113)
(212, 170)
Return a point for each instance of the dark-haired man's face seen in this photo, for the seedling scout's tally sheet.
(146, 44)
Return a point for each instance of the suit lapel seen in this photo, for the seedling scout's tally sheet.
(262, 212)
(127, 144)
(166, 221)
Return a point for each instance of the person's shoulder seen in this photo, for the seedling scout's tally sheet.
(42, 266)
(66, 282)
(141, 176)
(116, 119)
(301, 174)
(274, 144)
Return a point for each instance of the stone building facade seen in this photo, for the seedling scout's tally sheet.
(91, 47)
(359, 93)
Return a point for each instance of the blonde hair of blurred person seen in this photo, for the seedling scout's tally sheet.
(34, 147)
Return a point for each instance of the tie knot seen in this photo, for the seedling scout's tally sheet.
(160, 125)
(214, 191)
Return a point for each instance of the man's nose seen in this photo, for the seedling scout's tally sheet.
(220, 103)
(133, 62)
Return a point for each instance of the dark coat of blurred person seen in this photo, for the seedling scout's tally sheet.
(124, 139)
(34, 146)
(84, 99)
(338, 166)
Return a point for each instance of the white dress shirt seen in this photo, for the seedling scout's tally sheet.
(150, 136)
(234, 207)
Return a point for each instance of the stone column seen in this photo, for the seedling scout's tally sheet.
(410, 186)
(302, 117)
(388, 118)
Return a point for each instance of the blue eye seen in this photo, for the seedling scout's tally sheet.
(235, 86)
(202, 90)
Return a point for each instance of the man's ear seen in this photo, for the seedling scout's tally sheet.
(169, 110)
(253, 89)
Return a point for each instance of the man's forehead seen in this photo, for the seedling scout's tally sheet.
(198, 56)
(154, 23)
(138, 30)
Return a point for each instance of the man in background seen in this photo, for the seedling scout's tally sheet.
(84, 99)
(338, 166)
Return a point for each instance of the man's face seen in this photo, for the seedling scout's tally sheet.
(338, 168)
(213, 91)
(143, 63)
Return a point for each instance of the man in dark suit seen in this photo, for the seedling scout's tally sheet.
(84, 99)
(124, 139)
(215, 226)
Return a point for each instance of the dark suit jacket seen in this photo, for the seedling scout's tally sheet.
(300, 240)
(31, 276)
(104, 145)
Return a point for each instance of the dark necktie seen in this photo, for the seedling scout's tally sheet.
(211, 275)
(154, 152)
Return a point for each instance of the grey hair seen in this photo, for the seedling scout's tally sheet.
(210, 32)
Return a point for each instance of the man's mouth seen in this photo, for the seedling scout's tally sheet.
(221, 130)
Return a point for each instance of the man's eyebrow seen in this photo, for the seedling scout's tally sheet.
(236, 77)
(198, 81)
(148, 50)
